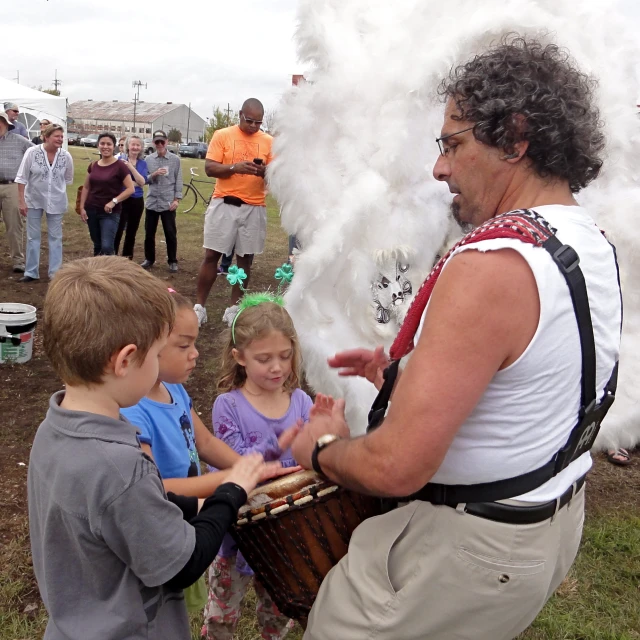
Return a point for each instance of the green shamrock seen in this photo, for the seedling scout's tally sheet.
(236, 276)
(284, 273)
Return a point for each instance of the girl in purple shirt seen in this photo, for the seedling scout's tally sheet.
(259, 400)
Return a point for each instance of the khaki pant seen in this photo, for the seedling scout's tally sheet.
(432, 572)
(13, 221)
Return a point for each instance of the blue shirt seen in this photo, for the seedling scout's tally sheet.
(143, 170)
(168, 430)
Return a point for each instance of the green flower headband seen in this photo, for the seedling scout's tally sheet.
(284, 276)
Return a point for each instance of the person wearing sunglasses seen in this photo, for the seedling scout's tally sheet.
(237, 216)
(44, 123)
(13, 111)
(165, 193)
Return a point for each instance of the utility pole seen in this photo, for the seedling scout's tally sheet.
(228, 115)
(188, 121)
(56, 82)
(17, 78)
(136, 98)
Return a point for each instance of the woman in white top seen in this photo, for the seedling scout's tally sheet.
(42, 179)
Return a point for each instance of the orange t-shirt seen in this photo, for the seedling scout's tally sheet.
(231, 145)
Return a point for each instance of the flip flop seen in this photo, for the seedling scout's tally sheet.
(620, 453)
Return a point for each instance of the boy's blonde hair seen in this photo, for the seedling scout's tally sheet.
(96, 306)
(252, 324)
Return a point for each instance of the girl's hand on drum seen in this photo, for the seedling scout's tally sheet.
(363, 363)
(248, 471)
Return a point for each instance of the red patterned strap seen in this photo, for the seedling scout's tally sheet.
(524, 225)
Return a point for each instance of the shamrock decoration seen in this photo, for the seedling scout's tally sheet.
(236, 276)
(284, 273)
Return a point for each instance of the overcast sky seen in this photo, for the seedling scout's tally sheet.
(207, 52)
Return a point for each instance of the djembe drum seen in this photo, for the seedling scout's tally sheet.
(294, 530)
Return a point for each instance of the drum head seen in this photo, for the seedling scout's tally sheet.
(281, 488)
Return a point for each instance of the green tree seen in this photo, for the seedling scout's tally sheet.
(53, 92)
(175, 135)
(220, 120)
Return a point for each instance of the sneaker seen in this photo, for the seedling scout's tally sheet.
(28, 279)
(201, 313)
(229, 314)
(147, 264)
(18, 268)
(173, 267)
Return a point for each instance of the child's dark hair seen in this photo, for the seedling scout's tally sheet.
(251, 324)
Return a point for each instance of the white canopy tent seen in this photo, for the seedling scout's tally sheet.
(34, 105)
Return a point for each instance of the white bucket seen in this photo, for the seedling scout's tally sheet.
(17, 324)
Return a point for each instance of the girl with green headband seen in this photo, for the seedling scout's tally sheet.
(260, 398)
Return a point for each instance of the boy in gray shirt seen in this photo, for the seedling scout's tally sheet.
(111, 550)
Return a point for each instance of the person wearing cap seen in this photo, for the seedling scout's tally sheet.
(13, 111)
(12, 149)
(43, 125)
(165, 193)
(237, 216)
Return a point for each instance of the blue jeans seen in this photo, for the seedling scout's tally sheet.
(54, 233)
(103, 227)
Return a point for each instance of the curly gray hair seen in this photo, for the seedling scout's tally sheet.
(523, 90)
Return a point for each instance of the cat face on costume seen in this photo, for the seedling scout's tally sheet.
(391, 293)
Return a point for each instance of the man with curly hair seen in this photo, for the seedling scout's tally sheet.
(488, 524)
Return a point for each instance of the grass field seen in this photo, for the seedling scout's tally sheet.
(600, 599)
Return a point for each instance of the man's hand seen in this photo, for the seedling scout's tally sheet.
(174, 205)
(246, 168)
(162, 171)
(363, 363)
(22, 207)
(321, 422)
(262, 169)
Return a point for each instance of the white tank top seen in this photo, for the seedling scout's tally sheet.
(528, 410)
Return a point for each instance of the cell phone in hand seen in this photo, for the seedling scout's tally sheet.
(257, 160)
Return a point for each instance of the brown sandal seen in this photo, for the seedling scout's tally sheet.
(612, 457)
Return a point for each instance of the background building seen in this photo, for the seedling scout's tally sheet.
(93, 116)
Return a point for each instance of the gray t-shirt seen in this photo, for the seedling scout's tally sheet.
(104, 537)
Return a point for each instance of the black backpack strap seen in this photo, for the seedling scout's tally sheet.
(380, 404)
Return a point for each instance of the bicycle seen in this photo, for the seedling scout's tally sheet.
(190, 193)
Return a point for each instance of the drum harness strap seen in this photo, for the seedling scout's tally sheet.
(527, 226)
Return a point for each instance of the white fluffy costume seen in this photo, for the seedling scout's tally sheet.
(355, 148)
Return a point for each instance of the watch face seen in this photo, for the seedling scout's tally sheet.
(326, 439)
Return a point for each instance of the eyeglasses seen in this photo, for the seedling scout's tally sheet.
(250, 121)
(14, 110)
(445, 150)
(121, 144)
(159, 142)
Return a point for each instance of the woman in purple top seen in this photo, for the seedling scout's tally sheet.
(107, 184)
(260, 399)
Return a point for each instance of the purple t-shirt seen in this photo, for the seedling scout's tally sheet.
(105, 184)
(246, 430)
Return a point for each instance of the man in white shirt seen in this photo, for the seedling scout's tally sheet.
(492, 391)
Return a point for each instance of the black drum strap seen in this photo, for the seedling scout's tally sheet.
(590, 417)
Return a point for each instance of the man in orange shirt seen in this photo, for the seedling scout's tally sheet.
(237, 216)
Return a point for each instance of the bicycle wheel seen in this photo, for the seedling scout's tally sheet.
(189, 199)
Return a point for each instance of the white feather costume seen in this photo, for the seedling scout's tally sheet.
(355, 148)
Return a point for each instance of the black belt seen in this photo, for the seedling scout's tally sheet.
(511, 514)
(236, 202)
(7, 181)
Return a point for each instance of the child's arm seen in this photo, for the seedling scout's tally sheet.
(198, 486)
(210, 449)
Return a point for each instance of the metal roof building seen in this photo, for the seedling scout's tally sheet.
(94, 116)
